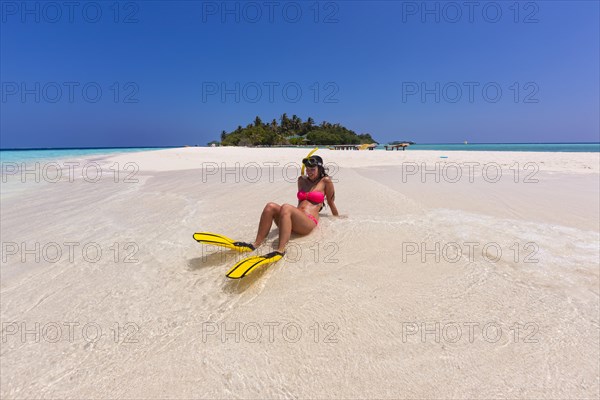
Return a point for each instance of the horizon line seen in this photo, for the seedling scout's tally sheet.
(178, 146)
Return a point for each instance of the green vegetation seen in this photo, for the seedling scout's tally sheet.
(292, 131)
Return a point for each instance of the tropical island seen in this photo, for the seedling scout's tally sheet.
(291, 131)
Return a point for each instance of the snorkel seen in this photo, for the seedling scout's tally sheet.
(308, 156)
(315, 163)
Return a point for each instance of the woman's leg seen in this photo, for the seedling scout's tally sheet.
(270, 213)
(292, 219)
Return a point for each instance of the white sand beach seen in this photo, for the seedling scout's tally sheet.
(468, 277)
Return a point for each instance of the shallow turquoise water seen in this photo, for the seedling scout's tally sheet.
(45, 154)
(537, 147)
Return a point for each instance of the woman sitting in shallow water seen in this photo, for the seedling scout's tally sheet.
(313, 189)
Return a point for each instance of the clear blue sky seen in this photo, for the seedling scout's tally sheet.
(161, 67)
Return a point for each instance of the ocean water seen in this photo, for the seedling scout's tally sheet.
(537, 147)
(48, 154)
(12, 184)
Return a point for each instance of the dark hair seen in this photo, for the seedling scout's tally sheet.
(320, 166)
(322, 172)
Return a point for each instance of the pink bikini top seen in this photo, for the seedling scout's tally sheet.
(314, 197)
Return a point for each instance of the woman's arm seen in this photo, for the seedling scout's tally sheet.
(330, 194)
(299, 180)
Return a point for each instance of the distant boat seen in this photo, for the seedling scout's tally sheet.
(466, 142)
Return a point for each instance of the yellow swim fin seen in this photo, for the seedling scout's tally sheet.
(247, 265)
(220, 240)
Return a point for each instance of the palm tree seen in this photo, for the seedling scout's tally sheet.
(284, 119)
(285, 124)
(296, 123)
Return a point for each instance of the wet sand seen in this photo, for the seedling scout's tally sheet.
(421, 289)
